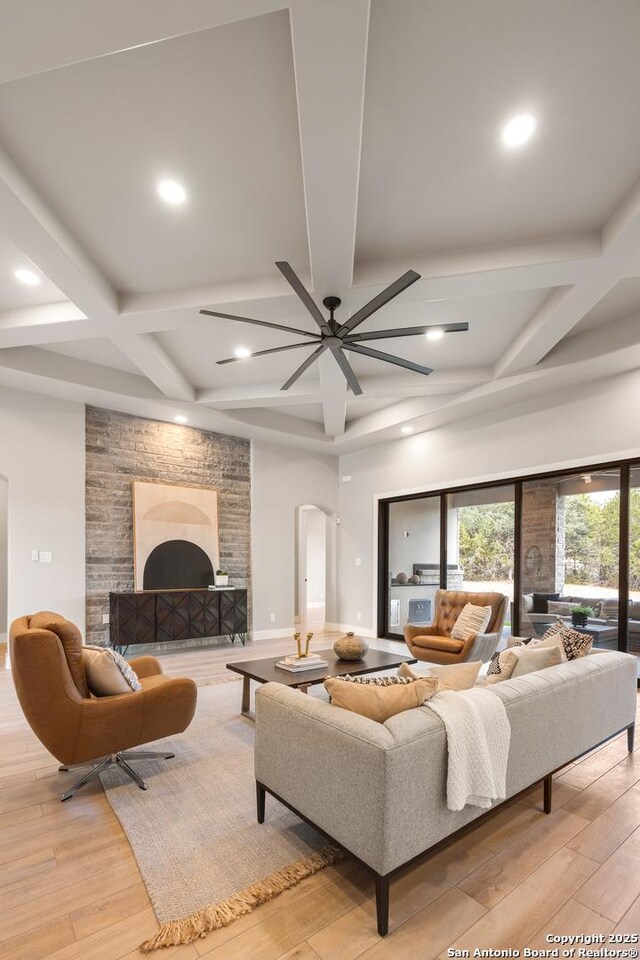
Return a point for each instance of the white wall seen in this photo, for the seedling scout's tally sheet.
(42, 457)
(4, 570)
(282, 479)
(584, 425)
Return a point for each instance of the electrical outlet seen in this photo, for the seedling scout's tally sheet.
(358, 561)
(272, 618)
(105, 618)
(359, 615)
(45, 556)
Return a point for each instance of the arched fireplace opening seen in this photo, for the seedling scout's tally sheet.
(176, 565)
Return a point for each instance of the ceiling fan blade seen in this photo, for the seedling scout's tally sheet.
(303, 366)
(261, 323)
(294, 280)
(347, 369)
(406, 332)
(387, 357)
(263, 353)
(387, 294)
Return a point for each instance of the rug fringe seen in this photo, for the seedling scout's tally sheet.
(172, 933)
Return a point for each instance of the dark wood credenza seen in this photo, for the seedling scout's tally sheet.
(162, 616)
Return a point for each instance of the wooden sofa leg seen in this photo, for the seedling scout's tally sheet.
(631, 735)
(382, 904)
(261, 794)
(548, 791)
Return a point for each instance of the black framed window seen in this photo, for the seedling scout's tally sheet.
(551, 541)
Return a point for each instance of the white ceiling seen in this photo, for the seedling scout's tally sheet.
(353, 140)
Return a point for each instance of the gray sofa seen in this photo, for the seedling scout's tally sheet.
(379, 790)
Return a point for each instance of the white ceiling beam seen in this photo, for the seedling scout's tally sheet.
(330, 55)
(564, 308)
(334, 396)
(44, 323)
(156, 364)
(50, 246)
(101, 30)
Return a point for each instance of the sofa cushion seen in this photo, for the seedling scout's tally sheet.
(561, 607)
(108, 673)
(472, 621)
(609, 609)
(452, 676)
(438, 643)
(71, 640)
(380, 698)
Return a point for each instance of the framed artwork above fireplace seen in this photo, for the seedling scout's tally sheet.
(175, 536)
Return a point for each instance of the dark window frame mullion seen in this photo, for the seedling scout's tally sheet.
(623, 558)
(444, 504)
(517, 556)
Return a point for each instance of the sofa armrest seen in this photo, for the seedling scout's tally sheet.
(327, 763)
(483, 647)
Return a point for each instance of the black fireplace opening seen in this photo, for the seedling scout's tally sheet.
(177, 565)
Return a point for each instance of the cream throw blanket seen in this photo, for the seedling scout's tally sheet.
(478, 735)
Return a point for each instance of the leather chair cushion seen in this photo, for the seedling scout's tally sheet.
(71, 640)
(439, 643)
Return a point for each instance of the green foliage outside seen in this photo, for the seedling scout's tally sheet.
(486, 535)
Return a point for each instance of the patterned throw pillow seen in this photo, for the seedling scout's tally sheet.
(575, 644)
(472, 621)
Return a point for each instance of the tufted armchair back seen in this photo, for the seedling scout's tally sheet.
(449, 604)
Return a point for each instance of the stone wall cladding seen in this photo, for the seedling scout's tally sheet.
(122, 448)
(543, 527)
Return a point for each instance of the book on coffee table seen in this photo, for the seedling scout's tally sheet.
(295, 664)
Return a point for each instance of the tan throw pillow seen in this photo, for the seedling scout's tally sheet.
(503, 664)
(108, 673)
(452, 676)
(536, 659)
(379, 698)
(560, 607)
(472, 620)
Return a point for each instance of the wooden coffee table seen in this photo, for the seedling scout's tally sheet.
(265, 671)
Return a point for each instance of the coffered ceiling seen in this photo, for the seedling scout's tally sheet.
(353, 139)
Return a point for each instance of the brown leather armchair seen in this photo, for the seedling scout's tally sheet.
(77, 728)
(435, 643)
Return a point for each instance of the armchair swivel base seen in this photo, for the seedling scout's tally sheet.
(103, 763)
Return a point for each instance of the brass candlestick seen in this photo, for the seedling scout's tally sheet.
(309, 639)
(296, 637)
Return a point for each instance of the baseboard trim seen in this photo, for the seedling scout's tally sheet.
(347, 627)
(273, 634)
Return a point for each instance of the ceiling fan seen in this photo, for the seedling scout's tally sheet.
(341, 337)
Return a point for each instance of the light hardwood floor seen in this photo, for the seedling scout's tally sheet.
(70, 888)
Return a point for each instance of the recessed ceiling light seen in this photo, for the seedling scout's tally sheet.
(180, 419)
(27, 276)
(518, 130)
(406, 430)
(435, 334)
(172, 191)
(242, 352)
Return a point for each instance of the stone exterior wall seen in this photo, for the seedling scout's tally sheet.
(121, 448)
(543, 527)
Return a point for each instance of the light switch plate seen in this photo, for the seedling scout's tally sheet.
(105, 618)
(34, 556)
(45, 556)
(358, 561)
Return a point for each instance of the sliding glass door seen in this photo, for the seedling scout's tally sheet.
(481, 541)
(570, 546)
(413, 562)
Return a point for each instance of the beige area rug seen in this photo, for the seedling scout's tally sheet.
(203, 857)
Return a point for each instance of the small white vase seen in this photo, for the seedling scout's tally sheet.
(221, 581)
